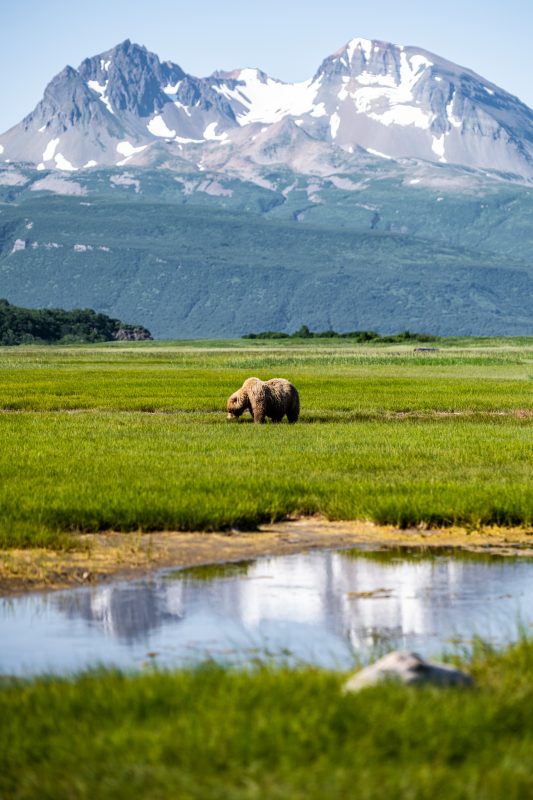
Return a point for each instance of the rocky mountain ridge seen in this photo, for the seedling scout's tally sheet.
(370, 99)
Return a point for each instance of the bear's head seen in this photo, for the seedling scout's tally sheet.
(237, 404)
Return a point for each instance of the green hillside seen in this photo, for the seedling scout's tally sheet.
(158, 248)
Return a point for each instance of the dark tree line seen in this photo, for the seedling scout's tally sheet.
(47, 325)
(358, 336)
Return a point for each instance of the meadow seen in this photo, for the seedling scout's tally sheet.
(133, 437)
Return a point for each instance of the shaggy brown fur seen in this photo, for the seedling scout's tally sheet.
(275, 399)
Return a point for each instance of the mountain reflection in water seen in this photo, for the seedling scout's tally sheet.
(320, 607)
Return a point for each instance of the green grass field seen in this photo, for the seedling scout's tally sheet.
(134, 437)
(273, 734)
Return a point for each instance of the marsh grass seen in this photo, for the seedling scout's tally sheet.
(135, 438)
(213, 733)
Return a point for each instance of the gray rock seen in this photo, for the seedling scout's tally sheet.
(407, 668)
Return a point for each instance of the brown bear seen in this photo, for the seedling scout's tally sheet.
(273, 398)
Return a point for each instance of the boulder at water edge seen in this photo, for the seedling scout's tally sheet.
(408, 668)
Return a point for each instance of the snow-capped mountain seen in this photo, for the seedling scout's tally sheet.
(125, 106)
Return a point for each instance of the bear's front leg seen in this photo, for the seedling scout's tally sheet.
(258, 408)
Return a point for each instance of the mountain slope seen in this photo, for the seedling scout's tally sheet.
(205, 255)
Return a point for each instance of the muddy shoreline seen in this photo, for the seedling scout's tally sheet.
(101, 556)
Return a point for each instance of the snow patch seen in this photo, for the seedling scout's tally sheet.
(319, 110)
(1, 148)
(269, 100)
(367, 206)
(64, 164)
(29, 226)
(82, 248)
(453, 120)
(46, 245)
(415, 180)
(210, 135)
(50, 149)
(489, 91)
(183, 108)
(334, 123)
(158, 127)
(372, 92)
(437, 146)
(169, 89)
(20, 244)
(288, 189)
(363, 45)
(104, 65)
(128, 150)
(182, 140)
(419, 62)
(101, 90)
(89, 164)
(404, 116)
(343, 92)
(40, 167)
(377, 153)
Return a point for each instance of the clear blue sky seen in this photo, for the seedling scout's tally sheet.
(286, 38)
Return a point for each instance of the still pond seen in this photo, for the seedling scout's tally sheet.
(329, 608)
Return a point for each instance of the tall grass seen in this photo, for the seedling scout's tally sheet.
(211, 733)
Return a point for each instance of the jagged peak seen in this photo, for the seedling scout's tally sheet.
(364, 46)
(383, 97)
(67, 76)
(127, 46)
(67, 73)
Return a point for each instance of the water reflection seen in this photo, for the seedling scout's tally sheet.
(126, 611)
(318, 607)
